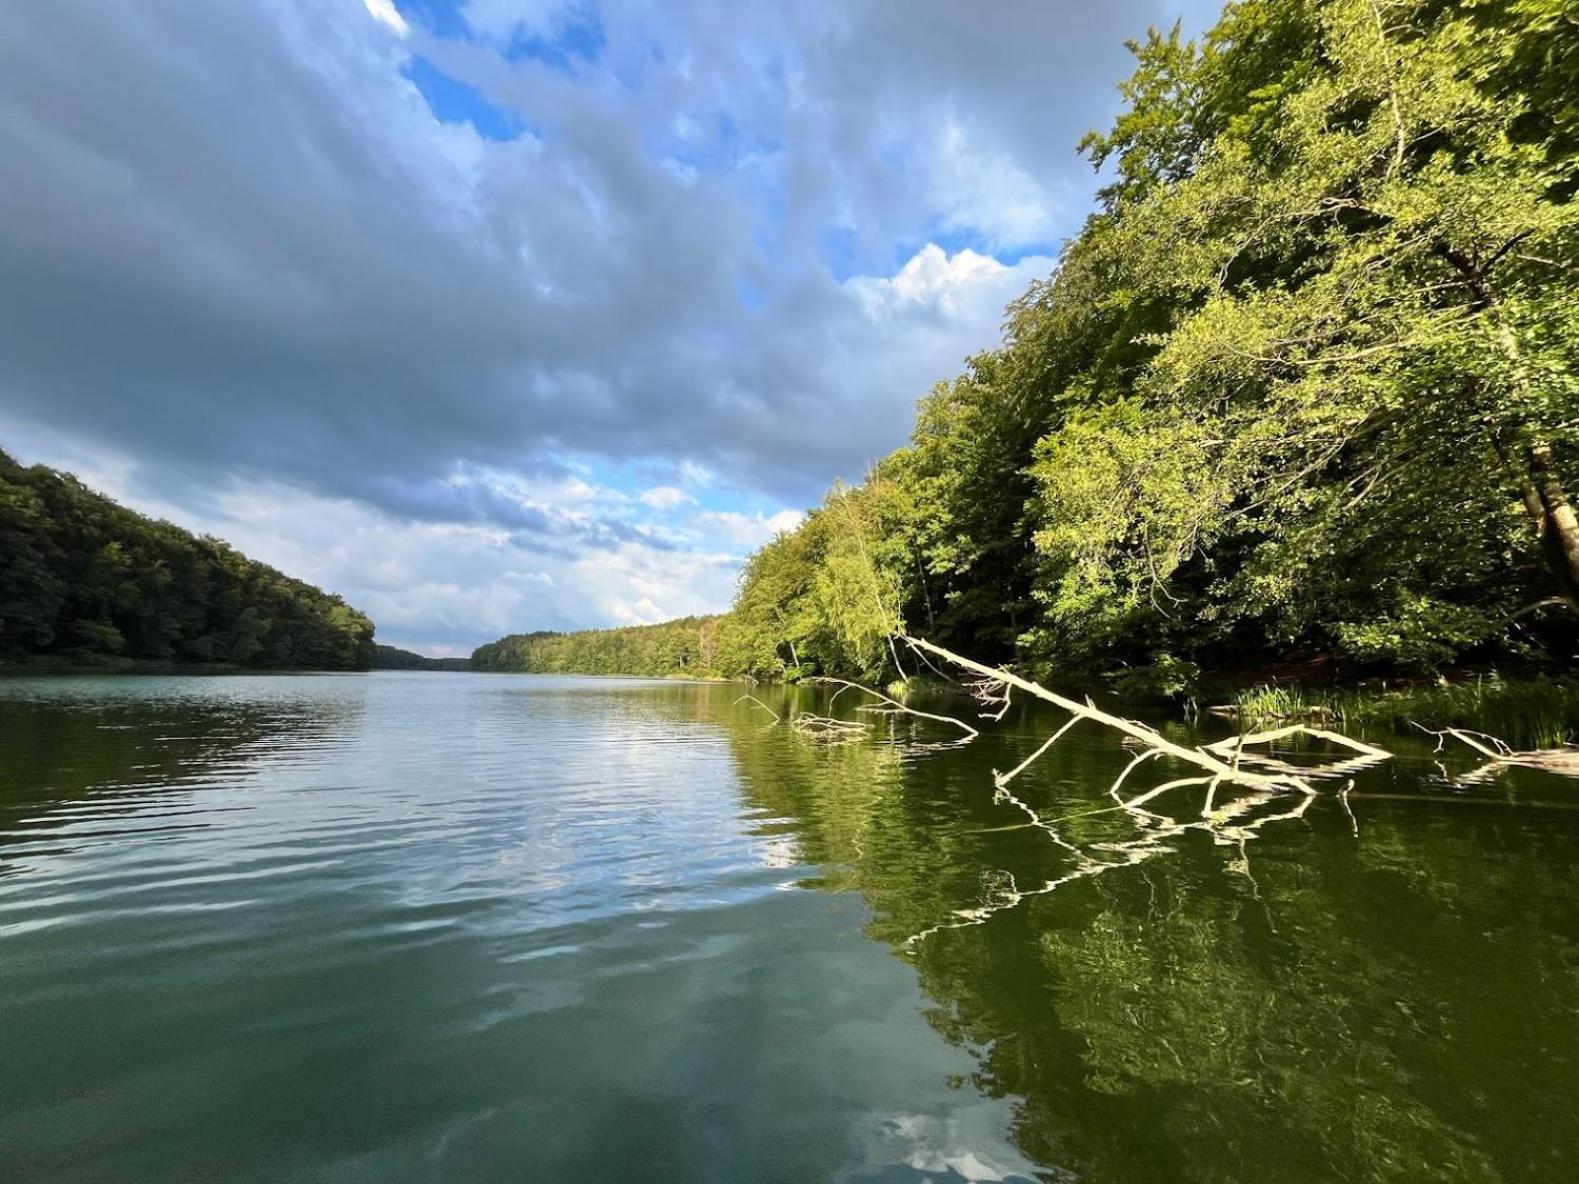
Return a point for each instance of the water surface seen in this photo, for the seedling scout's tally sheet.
(448, 927)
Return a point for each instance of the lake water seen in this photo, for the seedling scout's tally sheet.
(450, 928)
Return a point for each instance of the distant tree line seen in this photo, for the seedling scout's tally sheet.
(685, 647)
(388, 657)
(1304, 387)
(83, 579)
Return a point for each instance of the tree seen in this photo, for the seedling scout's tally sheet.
(1305, 384)
(86, 580)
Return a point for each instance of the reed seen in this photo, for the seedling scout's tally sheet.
(1527, 713)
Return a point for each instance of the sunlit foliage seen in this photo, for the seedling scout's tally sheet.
(1305, 385)
(684, 647)
(1307, 382)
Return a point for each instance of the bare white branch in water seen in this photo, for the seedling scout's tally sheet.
(894, 705)
(1211, 762)
(1259, 777)
(1563, 761)
(758, 702)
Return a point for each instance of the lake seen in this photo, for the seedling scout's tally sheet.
(454, 927)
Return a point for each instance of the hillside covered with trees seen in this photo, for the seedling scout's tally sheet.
(1305, 387)
(389, 657)
(86, 581)
(686, 647)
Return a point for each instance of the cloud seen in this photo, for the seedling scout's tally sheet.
(265, 245)
(501, 20)
(384, 12)
(747, 530)
(310, 276)
(932, 280)
(666, 497)
(694, 474)
(982, 188)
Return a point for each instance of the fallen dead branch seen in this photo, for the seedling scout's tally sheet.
(777, 718)
(1239, 743)
(894, 706)
(1259, 777)
(1240, 748)
(827, 730)
(1563, 761)
(1154, 743)
(990, 693)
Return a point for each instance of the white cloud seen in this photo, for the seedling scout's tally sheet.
(366, 345)
(982, 189)
(746, 530)
(643, 586)
(930, 276)
(666, 497)
(695, 474)
(531, 577)
(643, 612)
(499, 20)
(385, 12)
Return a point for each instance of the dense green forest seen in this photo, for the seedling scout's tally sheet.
(1305, 387)
(85, 581)
(687, 646)
(389, 657)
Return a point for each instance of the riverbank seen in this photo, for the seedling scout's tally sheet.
(1527, 711)
(1530, 712)
(110, 664)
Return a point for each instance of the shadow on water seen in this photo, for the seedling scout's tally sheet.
(1385, 988)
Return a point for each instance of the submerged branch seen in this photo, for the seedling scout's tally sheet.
(894, 705)
(1237, 748)
(1563, 761)
(1236, 744)
(1213, 764)
(777, 718)
(827, 730)
(1222, 764)
(1260, 777)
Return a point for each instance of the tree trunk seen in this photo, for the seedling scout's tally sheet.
(1555, 520)
(1545, 496)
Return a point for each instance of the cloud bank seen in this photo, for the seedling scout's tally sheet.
(544, 312)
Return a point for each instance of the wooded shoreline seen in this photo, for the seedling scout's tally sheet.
(1304, 388)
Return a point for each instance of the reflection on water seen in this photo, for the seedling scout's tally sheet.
(455, 927)
(1383, 986)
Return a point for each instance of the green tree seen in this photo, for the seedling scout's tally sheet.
(87, 580)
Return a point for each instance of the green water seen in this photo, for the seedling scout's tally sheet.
(449, 928)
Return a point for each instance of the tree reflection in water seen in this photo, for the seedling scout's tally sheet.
(1380, 987)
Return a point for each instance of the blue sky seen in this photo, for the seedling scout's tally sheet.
(497, 315)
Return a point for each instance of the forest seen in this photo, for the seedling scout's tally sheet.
(389, 657)
(1303, 393)
(686, 647)
(87, 582)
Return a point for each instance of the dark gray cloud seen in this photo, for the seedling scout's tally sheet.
(250, 282)
(233, 237)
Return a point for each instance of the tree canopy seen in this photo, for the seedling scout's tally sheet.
(682, 647)
(389, 657)
(1305, 384)
(85, 580)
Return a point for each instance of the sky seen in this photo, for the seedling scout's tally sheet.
(501, 315)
